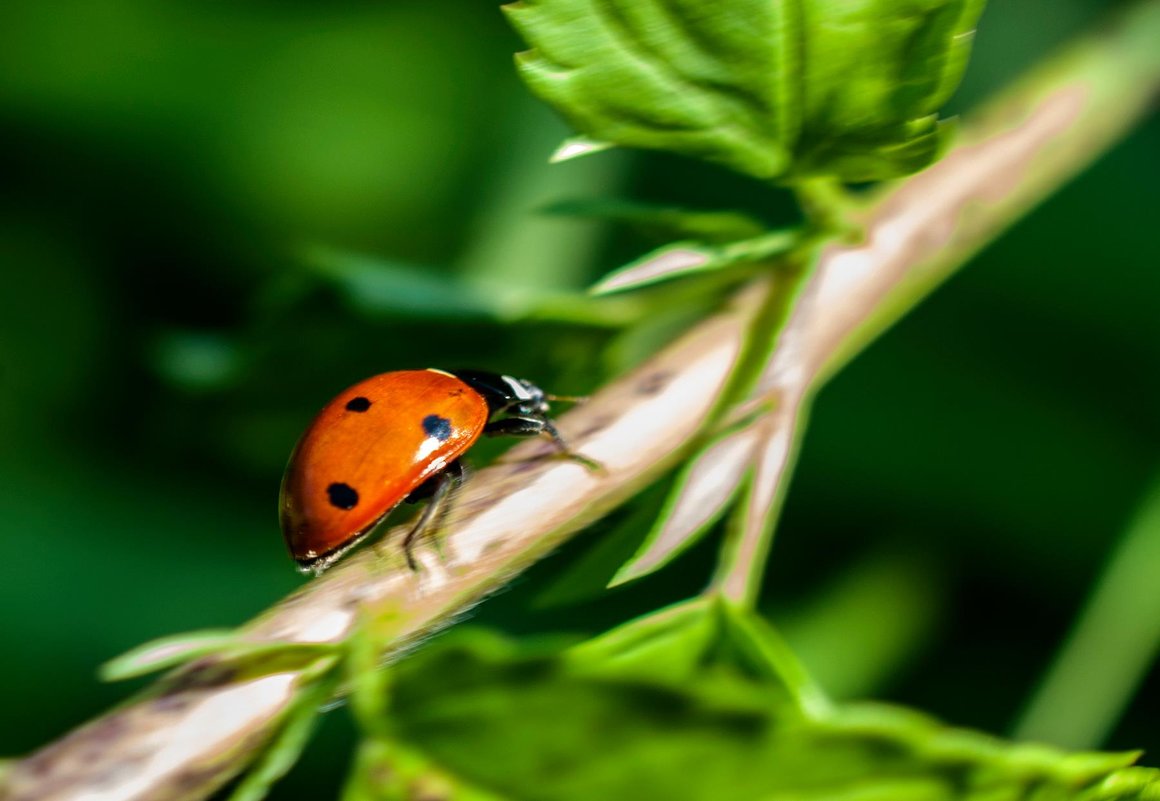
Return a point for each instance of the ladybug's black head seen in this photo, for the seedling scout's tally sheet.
(506, 394)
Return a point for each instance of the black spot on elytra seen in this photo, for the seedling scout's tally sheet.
(359, 404)
(344, 496)
(438, 427)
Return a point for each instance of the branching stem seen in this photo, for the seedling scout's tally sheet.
(825, 205)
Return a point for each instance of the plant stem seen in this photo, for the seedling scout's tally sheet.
(749, 536)
(825, 205)
(744, 554)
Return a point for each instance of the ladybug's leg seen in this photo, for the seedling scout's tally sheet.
(536, 427)
(439, 488)
(425, 490)
(525, 427)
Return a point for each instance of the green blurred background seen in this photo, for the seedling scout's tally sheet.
(215, 215)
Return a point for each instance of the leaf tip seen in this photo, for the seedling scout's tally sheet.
(628, 573)
(576, 147)
(513, 10)
(659, 265)
(656, 552)
(164, 653)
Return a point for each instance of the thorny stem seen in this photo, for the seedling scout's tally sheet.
(199, 727)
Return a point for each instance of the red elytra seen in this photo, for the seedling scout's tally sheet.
(367, 451)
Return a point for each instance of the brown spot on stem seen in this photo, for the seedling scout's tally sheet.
(653, 383)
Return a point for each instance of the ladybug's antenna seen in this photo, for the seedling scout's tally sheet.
(566, 398)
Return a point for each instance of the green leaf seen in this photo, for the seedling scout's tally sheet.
(687, 258)
(758, 648)
(749, 457)
(472, 703)
(577, 147)
(665, 222)
(671, 313)
(375, 288)
(587, 577)
(706, 638)
(169, 652)
(668, 74)
(776, 89)
(386, 770)
(877, 74)
(577, 736)
(166, 652)
(700, 495)
(368, 679)
(874, 156)
(664, 647)
(298, 723)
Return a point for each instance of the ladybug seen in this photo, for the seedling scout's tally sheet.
(392, 438)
